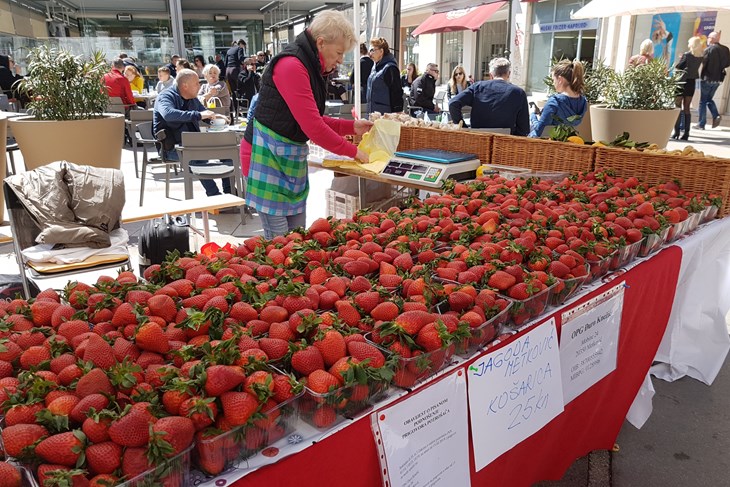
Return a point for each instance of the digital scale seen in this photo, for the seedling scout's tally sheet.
(430, 167)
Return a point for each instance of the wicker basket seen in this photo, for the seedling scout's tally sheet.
(479, 143)
(542, 155)
(701, 175)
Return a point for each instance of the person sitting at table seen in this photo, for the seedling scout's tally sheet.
(457, 83)
(117, 85)
(495, 103)
(172, 65)
(214, 88)
(290, 112)
(260, 62)
(385, 94)
(9, 74)
(220, 63)
(406, 81)
(336, 89)
(198, 65)
(165, 80)
(136, 82)
(366, 65)
(184, 64)
(568, 105)
(424, 89)
(178, 110)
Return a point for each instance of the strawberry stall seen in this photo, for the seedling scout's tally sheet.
(254, 364)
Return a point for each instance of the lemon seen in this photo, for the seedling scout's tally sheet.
(598, 143)
(574, 139)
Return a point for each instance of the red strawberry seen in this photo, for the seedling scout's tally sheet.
(386, 311)
(152, 338)
(63, 405)
(163, 306)
(308, 360)
(135, 462)
(22, 414)
(321, 382)
(103, 480)
(63, 448)
(324, 416)
(96, 401)
(94, 382)
(332, 346)
(459, 301)
(367, 301)
(131, 429)
(20, 436)
(238, 407)
(99, 352)
(348, 313)
(104, 457)
(501, 280)
(431, 337)
(42, 312)
(285, 388)
(178, 432)
(403, 262)
(202, 411)
(97, 430)
(9, 475)
(34, 356)
(73, 328)
(222, 378)
(275, 348)
(364, 351)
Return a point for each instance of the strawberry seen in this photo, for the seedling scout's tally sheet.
(331, 345)
(243, 312)
(356, 268)
(152, 338)
(432, 337)
(132, 429)
(501, 280)
(123, 348)
(99, 352)
(321, 382)
(202, 411)
(80, 410)
(260, 384)
(238, 407)
(275, 348)
(63, 405)
(34, 356)
(208, 450)
(558, 269)
(104, 457)
(521, 291)
(62, 449)
(178, 432)
(386, 311)
(163, 306)
(367, 301)
(94, 382)
(222, 378)
(348, 313)
(308, 360)
(364, 351)
(285, 387)
(459, 301)
(73, 328)
(9, 475)
(103, 480)
(96, 428)
(324, 416)
(390, 281)
(22, 414)
(20, 436)
(135, 462)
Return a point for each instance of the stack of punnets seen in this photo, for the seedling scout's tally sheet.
(218, 354)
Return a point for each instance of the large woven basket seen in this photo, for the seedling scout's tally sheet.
(701, 175)
(479, 143)
(541, 155)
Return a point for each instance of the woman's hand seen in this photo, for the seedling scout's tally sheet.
(362, 126)
(362, 156)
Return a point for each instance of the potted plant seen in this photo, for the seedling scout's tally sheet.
(639, 101)
(68, 103)
(596, 76)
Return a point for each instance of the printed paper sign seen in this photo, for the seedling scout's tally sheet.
(424, 438)
(589, 341)
(513, 392)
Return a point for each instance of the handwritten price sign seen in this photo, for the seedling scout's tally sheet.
(513, 392)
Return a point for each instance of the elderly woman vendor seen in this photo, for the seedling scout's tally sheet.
(290, 112)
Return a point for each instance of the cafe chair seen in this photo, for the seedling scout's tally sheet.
(136, 117)
(147, 141)
(10, 147)
(48, 275)
(116, 105)
(212, 146)
(242, 107)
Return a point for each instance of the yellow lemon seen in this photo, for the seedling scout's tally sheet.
(598, 143)
(574, 139)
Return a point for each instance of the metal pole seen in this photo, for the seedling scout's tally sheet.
(356, 64)
(178, 33)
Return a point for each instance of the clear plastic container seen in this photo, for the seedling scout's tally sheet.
(693, 221)
(27, 479)
(215, 455)
(625, 255)
(676, 230)
(599, 268)
(565, 288)
(709, 213)
(524, 310)
(409, 371)
(653, 242)
(175, 472)
(323, 410)
(484, 333)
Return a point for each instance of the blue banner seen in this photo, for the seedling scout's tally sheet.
(664, 32)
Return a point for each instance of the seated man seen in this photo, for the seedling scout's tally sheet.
(496, 103)
(423, 90)
(178, 110)
(117, 85)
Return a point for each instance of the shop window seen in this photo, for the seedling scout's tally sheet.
(452, 53)
(492, 44)
(410, 48)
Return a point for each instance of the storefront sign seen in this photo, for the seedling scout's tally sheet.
(514, 392)
(423, 440)
(589, 341)
(563, 26)
(704, 24)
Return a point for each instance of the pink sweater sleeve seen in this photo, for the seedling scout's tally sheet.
(292, 80)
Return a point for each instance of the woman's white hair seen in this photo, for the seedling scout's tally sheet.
(211, 67)
(647, 48)
(333, 26)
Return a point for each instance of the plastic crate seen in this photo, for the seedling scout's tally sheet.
(484, 333)
(676, 230)
(599, 268)
(341, 205)
(565, 288)
(625, 255)
(709, 213)
(524, 310)
(215, 455)
(653, 242)
(175, 472)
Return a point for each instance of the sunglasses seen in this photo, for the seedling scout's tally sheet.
(459, 74)
(373, 49)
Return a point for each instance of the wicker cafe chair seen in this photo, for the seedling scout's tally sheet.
(148, 143)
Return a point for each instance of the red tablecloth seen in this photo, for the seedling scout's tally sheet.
(590, 422)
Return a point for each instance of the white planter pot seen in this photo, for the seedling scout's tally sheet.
(653, 126)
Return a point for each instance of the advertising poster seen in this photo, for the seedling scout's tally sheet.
(514, 392)
(424, 440)
(704, 24)
(664, 32)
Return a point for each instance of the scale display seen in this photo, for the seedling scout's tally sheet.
(432, 172)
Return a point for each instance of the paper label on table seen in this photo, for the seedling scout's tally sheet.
(514, 392)
(589, 341)
(424, 438)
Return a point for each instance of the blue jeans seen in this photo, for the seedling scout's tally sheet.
(707, 91)
(280, 225)
(211, 189)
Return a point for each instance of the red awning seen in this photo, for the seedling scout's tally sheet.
(470, 18)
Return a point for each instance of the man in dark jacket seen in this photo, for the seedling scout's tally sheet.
(249, 81)
(220, 63)
(496, 103)
(366, 65)
(424, 89)
(715, 60)
(234, 57)
(172, 65)
(178, 110)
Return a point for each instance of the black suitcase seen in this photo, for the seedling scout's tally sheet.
(160, 236)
